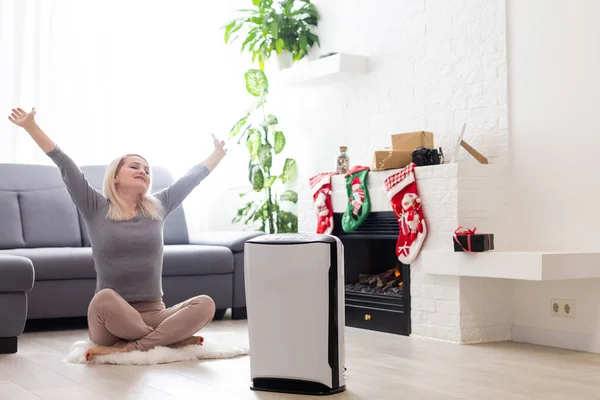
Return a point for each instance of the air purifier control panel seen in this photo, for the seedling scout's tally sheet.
(293, 238)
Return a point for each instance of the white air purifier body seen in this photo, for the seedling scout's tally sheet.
(295, 303)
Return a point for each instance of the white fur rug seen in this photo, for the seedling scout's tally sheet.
(216, 345)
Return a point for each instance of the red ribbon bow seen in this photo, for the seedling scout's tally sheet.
(467, 232)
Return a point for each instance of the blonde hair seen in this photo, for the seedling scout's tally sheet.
(148, 204)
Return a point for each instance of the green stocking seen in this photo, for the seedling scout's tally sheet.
(359, 204)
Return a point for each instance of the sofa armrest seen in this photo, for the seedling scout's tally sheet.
(233, 239)
(235, 242)
(16, 274)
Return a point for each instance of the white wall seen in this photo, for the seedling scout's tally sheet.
(434, 65)
(554, 95)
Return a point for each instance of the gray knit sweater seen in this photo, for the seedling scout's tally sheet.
(128, 255)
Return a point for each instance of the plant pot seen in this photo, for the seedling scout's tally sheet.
(281, 61)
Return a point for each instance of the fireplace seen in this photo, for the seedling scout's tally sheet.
(377, 285)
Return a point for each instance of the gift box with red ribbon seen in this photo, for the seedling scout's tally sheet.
(466, 240)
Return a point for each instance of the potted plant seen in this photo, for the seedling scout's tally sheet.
(264, 142)
(282, 27)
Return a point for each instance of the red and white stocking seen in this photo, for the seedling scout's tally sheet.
(321, 190)
(406, 203)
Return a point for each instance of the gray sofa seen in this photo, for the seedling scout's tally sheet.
(16, 280)
(39, 222)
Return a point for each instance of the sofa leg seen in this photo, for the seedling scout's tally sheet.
(239, 313)
(219, 314)
(8, 345)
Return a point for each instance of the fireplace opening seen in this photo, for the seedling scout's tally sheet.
(372, 274)
(377, 285)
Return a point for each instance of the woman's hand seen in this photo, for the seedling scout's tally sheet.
(220, 149)
(27, 122)
(22, 118)
(217, 155)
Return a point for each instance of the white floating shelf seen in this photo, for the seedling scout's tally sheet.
(329, 69)
(533, 266)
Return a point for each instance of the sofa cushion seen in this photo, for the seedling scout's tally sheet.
(196, 260)
(11, 230)
(175, 229)
(47, 215)
(50, 219)
(56, 263)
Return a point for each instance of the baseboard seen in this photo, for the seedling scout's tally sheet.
(421, 337)
(561, 339)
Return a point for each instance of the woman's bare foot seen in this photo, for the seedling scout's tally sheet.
(103, 350)
(197, 340)
(121, 343)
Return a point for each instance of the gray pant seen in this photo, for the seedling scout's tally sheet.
(145, 325)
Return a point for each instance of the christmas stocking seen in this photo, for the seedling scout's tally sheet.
(406, 203)
(321, 190)
(359, 203)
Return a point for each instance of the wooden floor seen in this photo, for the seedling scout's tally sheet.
(380, 366)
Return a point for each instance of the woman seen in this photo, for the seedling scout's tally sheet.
(125, 226)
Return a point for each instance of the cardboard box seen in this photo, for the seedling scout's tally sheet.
(411, 140)
(391, 159)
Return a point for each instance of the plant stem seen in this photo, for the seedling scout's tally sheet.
(270, 212)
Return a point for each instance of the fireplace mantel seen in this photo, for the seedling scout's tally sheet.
(442, 305)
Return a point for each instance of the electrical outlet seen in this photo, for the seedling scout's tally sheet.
(564, 308)
(555, 307)
(568, 308)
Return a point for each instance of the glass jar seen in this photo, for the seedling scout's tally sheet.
(343, 162)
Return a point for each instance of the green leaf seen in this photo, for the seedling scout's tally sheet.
(253, 143)
(243, 212)
(289, 195)
(256, 2)
(275, 29)
(241, 137)
(271, 120)
(287, 6)
(230, 29)
(289, 170)
(256, 82)
(265, 156)
(287, 222)
(238, 126)
(257, 178)
(279, 141)
(250, 37)
(312, 38)
(279, 45)
(269, 181)
(303, 42)
(310, 20)
(298, 55)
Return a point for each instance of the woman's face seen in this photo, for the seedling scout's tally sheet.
(134, 175)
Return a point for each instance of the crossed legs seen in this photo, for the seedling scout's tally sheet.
(117, 326)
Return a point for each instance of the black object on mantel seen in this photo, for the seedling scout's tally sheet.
(375, 299)
(469, 241)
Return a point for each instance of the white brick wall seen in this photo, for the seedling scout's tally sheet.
(461, 310)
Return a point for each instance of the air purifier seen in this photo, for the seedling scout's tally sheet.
(295, 303)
